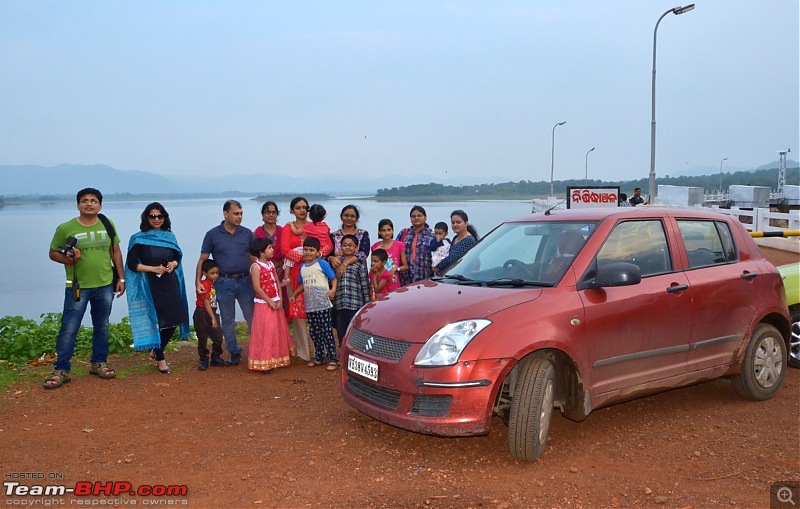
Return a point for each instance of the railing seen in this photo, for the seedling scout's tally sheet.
(755, 220)
(762, 219)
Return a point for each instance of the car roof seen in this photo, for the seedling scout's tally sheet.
(600, 214)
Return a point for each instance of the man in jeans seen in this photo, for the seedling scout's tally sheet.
(84, 246)
(229, 245)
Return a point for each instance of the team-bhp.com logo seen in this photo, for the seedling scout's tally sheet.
(95, 489)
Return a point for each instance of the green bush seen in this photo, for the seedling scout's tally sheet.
(22, 340)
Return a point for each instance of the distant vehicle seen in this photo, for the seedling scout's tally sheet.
(574, 310)
(791, 283)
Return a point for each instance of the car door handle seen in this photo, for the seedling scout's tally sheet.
(677, 288)
(749, 275)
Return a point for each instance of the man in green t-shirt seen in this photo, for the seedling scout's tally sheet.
(86, 249)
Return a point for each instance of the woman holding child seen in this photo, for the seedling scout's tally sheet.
(292, 237)
(349, 216)
(156, 293)
(466, 236)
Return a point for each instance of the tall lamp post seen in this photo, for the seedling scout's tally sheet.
(553, 153)
(720, 174)
(652, 186)
(586, 174)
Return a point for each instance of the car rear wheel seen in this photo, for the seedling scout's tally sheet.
(764, 364)
(794, 346)
(531, 408)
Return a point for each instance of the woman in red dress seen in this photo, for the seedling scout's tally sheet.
(297, 309)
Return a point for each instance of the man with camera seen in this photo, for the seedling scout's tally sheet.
(87, 249)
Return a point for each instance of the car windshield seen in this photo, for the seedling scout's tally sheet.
(522, 254)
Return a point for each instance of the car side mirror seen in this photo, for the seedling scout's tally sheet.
(619, 274)
(613, 274)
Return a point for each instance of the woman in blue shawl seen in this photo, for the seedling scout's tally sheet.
(156, 290)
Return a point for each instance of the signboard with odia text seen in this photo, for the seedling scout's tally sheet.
(587, 197)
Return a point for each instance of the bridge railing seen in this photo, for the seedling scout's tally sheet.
(763, 219)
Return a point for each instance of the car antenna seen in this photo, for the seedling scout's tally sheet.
(547, 212)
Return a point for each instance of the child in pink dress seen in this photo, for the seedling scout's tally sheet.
(270, 342)
(395, 250)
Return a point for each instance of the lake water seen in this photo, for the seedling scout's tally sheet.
(31, 284)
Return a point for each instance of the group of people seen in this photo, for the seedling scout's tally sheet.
(300, 273)
(634, 200)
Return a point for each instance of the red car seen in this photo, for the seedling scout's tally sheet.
(574, 310)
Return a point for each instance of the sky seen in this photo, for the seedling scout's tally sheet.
(430, 89)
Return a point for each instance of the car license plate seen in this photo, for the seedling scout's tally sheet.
(362, 367)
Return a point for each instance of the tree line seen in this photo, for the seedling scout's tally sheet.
(527, 188)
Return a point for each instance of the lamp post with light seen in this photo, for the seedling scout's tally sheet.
(720, 174)
(552, 154)
(652, 187)
(586, 173)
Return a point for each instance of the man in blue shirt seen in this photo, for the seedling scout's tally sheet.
(229, 245)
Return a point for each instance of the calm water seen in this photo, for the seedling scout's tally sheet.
(31, 284)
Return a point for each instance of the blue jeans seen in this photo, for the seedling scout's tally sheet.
(229, 291)
(101, 300)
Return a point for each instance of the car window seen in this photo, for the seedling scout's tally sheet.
(707, 242)
(642, 243)
(728, 246)
(538, 252)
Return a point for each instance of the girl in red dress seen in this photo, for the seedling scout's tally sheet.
(270, 343)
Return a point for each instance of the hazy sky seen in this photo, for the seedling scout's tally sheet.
(427, 88)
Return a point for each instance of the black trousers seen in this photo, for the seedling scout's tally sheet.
(204, 331)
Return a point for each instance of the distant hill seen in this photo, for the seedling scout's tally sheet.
(31, 180)
(711, 170)
(38, 181)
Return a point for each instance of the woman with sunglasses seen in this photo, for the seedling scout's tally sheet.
(156, 293)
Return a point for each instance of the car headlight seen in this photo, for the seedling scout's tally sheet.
(446, 345)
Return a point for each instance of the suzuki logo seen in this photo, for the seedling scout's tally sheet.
(370, 344)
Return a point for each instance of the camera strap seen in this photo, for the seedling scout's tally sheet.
(109, 228)
(111, 234)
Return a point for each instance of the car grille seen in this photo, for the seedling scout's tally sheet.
(377, 346)
(435, 406)
(374, 394)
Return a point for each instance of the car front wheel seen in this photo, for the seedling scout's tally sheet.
(794, 346)
(764, 364)
(531, 408)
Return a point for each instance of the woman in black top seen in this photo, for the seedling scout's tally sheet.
(157, 305)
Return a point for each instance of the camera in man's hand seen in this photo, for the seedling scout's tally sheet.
(68, 248)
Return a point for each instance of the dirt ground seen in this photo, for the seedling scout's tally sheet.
(237, 438)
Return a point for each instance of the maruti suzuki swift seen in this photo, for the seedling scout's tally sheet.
(572, 310)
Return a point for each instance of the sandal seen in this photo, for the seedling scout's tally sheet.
(101, 369)
(332, 366)
(314, 364)
(166, 370)
(57, 379)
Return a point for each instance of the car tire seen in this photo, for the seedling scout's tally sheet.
(763, 366)
(794, 346)
(531, 408)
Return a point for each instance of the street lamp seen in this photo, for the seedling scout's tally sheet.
(552, 154)
(720, 174)
(586, 175)
(652, 186)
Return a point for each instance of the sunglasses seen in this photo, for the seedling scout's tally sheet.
(156, 217)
